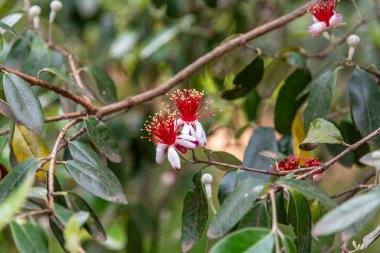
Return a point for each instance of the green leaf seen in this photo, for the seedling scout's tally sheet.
(224, 157)
(194, 215)
(14, 201)
(246, 80)
(103, 139)
(321, 131)
(364, 101)
(234, 207)
(63, 214)
(258, 216)
(287, 103)
(320, 97)
(230, 181)
(372, 159)
(348, 213)
(23, 103)
(274, 73)
(250, 240)
(92, 225)
(58, 233)
(262, 139)
(299, 216)
(104, 83)
(307, 190)
(14, 178)
(280, 208)
(288, 245)
(135, 242)
(72, 235)
(63, 76)
(1, 43)
(29, 237)
(251, 105)
(9, 29)
(89, 172)
(297, 60)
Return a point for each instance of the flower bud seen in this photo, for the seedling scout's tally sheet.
(56, 5)
(353, 40)
(34, 11)
(207, 178)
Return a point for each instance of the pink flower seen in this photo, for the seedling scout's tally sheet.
(164, 131)
(190, 108)
(324, 16)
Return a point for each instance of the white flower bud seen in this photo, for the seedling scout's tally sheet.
(207, 178)
(34, 11)
(56, 5)
(353, 40)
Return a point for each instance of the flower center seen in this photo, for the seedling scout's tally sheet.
(162, 128)
(323, 10)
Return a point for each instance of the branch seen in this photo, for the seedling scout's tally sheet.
(53, 158)
(38, 82)
(202, 61)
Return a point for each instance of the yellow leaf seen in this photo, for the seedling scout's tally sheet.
(27, 144)
(298, 136)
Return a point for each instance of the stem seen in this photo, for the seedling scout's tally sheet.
(274, 221)
(211, 203)
(357, 8)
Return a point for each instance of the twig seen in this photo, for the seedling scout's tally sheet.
(4, 132)
(70, 115)
(32, 213)
(53, 158)
(38, 82)
(338, 113)
(353, 191)
(354, 146)
(202, 61)
(274, 220)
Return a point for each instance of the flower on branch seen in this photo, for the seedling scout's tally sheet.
(190, 108)
(166, 133)
(324, 16)
(293, 162)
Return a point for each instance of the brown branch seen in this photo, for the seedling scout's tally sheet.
(342, 39)
(354, 146)
(53, 158)
(38, 82)
(70, 115)
(202, 61)
(32, 213)
(4, 132)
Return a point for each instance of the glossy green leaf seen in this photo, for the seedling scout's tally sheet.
(93, 225)
(364, 101)
(250, 240)
(63, 214)
(299, 217)
(320, 97)
(230, 181)
(307, 190)
(103, 139)
(72, 235)
(297, 60)
(16, 176)
(251, 105)
(10, 205)
(89, 172)
(194, 215)
(258, 216)
(104, 83)
(234, 207)
(281, 208)
(246, 80)
(58, 233)
(287, 103)
(262, 139)
(23, 103)
(274, 73)
(29, 237)
(348, 213)
(321, 131)
(288, 245)
(6, 111)
(224, 157)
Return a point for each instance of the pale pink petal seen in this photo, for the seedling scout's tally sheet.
(160, 153)
(185, 130)
(173, 157)
(335, 20)
(201, 135)
(186, 144)
(317, 177)
(317, 29)
(187, 137)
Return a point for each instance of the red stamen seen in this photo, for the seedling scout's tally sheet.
(162, 128)
(323, 10)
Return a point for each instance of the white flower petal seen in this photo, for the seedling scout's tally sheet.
(201, 135)
(186, 143)
(317, 29)
(187, 137)
(160, 153)
(185, 130)
(335, 20)
(174, 158)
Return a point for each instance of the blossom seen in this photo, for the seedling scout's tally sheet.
(164, 131)
(293, 162)
(324, 16)
(190, 108)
